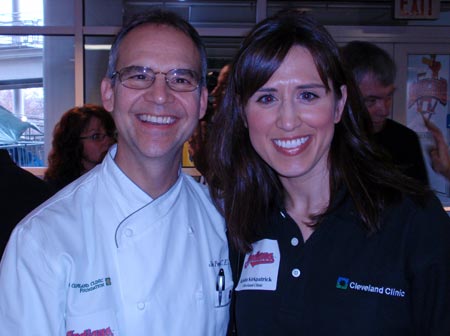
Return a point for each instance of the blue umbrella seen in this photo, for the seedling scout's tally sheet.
(12, 128)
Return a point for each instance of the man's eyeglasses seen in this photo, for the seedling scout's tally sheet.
(139, 78)
(97, 137)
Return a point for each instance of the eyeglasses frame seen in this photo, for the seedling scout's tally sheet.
(118, 74)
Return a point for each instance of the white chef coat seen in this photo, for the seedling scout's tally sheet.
(102, 258)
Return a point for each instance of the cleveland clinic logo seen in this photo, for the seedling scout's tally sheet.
(345, 283)
(342, 283)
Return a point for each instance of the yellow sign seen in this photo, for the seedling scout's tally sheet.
(186, 160)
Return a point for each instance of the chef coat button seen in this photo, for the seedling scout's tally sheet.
(294, 241)
(141, 305)
(128, 233)
(296, 272)
(190, 230)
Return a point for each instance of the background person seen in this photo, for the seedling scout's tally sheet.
(219, 90)
(197, 142)
(81, 140)
(375, 72)
(337, 241)
(134, 246)
(21, 193)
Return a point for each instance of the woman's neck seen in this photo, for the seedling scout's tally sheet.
(306, 197)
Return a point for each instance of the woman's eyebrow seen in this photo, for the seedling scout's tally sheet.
(301, 86)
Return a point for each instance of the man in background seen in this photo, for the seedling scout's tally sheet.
(375, 71)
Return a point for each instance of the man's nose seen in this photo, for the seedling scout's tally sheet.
(159, 92)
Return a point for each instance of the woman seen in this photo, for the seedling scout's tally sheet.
(337, 241)
(81, 140)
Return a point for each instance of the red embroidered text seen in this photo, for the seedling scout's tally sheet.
(259, 258)
(88, 332)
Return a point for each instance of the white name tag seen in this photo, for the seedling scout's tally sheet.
(260, 269)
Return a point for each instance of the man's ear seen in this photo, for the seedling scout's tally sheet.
(203, 102)
(107, 94)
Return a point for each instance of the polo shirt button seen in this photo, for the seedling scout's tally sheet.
(295, 272)
(129, 233)
(294, 241)
(141, 305)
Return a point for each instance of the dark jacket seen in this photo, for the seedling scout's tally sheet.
(21, 192)
(403, 145)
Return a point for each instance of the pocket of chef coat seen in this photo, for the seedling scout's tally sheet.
(223, 299)
(222, 311)
(103, 322)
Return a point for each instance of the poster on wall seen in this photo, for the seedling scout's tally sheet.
(427, 97)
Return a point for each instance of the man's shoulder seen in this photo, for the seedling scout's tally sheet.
(81, 191)
(200, 192)
(393, 126)
(64, 212)
(195, 186)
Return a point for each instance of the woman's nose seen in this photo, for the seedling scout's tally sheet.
(289, 117)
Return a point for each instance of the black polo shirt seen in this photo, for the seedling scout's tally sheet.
(344, 282)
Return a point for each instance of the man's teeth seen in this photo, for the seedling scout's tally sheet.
(293, 143)
(156, 119)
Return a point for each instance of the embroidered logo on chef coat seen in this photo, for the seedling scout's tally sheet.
(91, 286)
(260, 269)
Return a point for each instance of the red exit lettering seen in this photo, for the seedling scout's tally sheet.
(416, 7)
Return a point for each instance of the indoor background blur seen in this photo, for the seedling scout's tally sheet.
(53, 52)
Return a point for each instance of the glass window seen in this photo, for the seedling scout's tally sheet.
(21, 13)
(201, 13)
(111, 12)
(58, 12)
(96, 51)
(36, 87)
(34, 13)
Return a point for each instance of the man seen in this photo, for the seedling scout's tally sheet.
(21, 193)
(134, 247)
(375, 71)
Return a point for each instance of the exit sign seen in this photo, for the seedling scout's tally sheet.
(417, 9)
